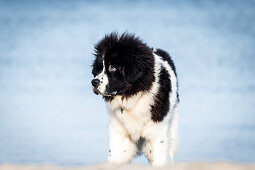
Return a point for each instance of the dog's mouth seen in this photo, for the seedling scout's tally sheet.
(97, 92)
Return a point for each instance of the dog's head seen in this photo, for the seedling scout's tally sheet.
(121, 62)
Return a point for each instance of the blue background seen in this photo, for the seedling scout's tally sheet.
(49, 114)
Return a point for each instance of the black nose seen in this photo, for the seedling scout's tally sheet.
(95, 82)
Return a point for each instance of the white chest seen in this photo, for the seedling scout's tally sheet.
(133, 114)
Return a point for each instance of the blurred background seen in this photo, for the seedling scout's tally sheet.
(49, 114)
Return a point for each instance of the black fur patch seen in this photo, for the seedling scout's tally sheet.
(161, 104)
(166, 57)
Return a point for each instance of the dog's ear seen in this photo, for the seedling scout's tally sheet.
(131, 73)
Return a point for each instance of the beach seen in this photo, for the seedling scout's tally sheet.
(107, 166)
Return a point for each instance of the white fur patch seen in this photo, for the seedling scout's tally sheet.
(103, 80)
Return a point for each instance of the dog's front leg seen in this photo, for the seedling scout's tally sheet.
(122, 149)
(157, 147)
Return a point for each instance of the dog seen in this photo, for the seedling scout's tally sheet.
(139, 85)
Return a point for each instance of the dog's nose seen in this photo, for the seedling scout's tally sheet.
(95, 82)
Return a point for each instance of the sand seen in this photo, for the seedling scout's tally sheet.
(106, 166)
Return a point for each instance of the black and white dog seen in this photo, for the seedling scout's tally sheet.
(139, 85)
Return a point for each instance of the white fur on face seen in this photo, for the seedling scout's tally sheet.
(103, 80)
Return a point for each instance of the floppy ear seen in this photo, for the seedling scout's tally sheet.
(131, 73)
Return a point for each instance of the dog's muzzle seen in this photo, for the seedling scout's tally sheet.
(95, 83)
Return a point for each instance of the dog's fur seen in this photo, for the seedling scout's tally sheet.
(139, 85)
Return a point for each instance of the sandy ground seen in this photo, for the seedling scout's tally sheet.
(105, 166)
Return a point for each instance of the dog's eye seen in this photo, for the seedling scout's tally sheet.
(111, 68)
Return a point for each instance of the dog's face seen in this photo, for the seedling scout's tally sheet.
(120, 63)
(113, 75)
(108, 77)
